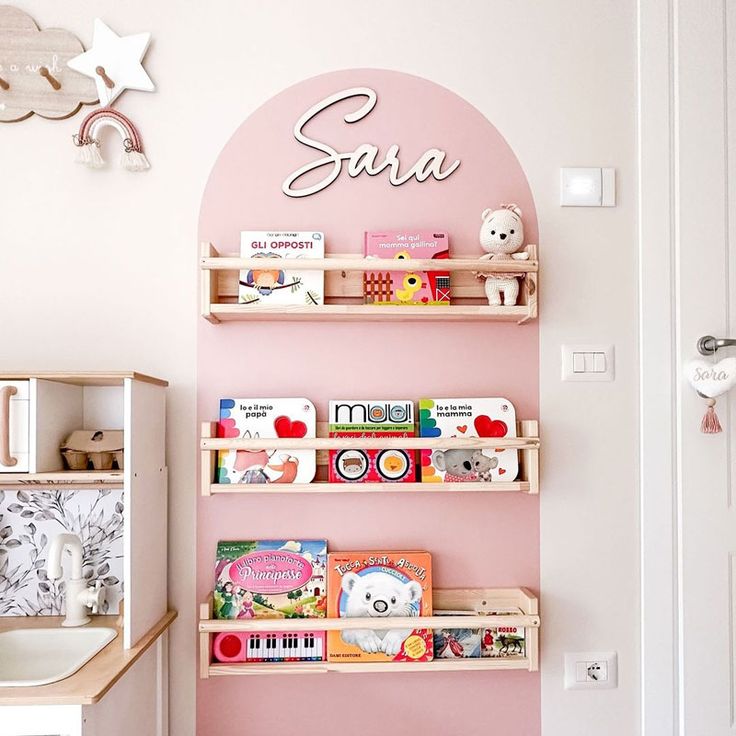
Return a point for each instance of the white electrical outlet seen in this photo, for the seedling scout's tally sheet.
(591, 670)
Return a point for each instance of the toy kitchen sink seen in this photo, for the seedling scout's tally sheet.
(77, 675)
(32, 657)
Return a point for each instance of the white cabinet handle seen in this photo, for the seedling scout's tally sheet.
(6, 458)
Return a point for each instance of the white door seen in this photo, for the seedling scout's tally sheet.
(688, 67)
(706, 53)
(14, 426)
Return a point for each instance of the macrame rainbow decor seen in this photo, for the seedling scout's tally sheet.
(88, 140)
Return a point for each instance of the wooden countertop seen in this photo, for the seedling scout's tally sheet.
(88, 378)
(89, 684)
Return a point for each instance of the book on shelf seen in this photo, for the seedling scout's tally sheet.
(465, 418)
(372, 584)
(410, 287)
(266, 419)
(272, 285)
(356, 418)
(270, 578)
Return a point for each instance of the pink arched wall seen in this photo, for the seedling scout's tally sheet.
(480, 540)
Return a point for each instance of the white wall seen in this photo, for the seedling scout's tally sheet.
(89, 284)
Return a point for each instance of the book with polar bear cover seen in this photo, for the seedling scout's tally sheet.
(266, 418)
(272, 286)
(277, 578)
(379, 584)
(483, 417)
(410, 288)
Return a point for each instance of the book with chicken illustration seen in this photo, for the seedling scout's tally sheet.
(266, 419)
(273, 286)
(410, 287)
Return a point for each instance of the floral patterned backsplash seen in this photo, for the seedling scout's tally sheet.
(28, 523)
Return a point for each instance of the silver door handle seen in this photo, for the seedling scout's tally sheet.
(708, 345)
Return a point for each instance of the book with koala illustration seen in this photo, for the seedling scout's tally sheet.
(276, 578)
(375, 418)
(376, 585)
(272, 286)
(411, 288)
(266, 419)
(483, 417)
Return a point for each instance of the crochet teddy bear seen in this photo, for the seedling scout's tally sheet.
(501, 236)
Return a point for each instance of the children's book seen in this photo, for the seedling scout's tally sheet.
(272, 286)
(413, 288)
(457, 643)
(283, 578)
(503, 641)
(491, 417)
(377, 585)
(353, 418)
(266, 419)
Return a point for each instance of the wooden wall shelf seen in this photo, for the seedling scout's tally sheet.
(527, 443)
(520, 608)
(344, 290)
(346, 668)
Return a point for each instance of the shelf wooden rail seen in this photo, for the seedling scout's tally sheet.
(527, 444)
(378, 624)
(61, 479)
(370, 443)
(513, 606)
(344, 289)
(346, 262)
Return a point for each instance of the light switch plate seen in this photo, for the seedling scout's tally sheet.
(591, 670)
(588, 362)
(588, 187)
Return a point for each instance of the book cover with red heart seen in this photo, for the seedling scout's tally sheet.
(465, 417)
(266, 419)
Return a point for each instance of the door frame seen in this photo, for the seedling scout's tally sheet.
(659, 480)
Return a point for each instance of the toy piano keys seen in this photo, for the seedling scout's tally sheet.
(272, 646)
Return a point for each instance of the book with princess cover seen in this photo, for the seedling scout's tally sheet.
(277, 578)
(266, 419)
(273, 286)
(468, 417)
(410, 287)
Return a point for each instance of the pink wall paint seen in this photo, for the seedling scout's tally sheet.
(476, 539)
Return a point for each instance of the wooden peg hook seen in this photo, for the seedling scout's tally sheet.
(4, 85)
(103, 75)
(46, 74)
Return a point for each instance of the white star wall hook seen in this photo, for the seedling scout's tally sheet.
(114, 62)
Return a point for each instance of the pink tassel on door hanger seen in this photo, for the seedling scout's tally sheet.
(710, 423)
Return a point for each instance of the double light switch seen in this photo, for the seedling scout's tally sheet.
(587, 363)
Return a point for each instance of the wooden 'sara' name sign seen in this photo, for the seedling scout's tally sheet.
(365, 158)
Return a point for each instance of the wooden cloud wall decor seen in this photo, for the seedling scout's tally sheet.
(34, 73)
